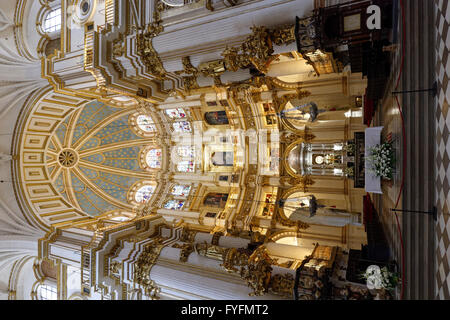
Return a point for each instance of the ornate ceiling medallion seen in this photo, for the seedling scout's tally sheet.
(68, 158)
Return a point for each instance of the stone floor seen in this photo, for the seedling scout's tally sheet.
(389, 118)
(418, 230)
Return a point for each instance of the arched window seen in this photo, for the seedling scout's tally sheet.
(47, 292)
(120, 218)
(223, 159)
(216, 200)
(181, 190)
(182, 126)
(153, 158)
(146, 123)
(144, 194)
(174, 204)
(216, 118)
(52, 22)
(186, 166)
(177, 113)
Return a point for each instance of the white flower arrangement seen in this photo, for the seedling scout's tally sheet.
(382, 160)
(380, 278)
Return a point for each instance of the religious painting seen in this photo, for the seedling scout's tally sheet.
(270, 113)
(142, 93)
(211, 214)
(235, 178)
(269, 206)
(216, 118)
(216, 200)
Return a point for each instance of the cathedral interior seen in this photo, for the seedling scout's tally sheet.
(223, 150)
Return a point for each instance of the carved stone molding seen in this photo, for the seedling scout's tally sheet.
(282, 285)
(186, 250)
(188, 235)
(283, 35)
(145, 49)
(216, 237)
(289, 137)
(143, 266)
(190, 83)
(256, 49)
(149, 56)
(280, 102)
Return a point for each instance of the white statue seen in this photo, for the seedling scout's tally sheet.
(309, 210)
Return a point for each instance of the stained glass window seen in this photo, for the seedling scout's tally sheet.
(47, 292)
(153, 158)
(144, 194)
(146, 123)
(52, 22)
(120, 218)
(216, 118)
(181, 190)
(174, 204)
(186, 166)
(177, 113)
(182, 126)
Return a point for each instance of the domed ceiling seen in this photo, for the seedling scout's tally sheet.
(96, 158)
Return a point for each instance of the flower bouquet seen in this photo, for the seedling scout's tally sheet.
(380, 278)
(382, 160)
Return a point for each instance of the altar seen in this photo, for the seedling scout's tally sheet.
(372, 138)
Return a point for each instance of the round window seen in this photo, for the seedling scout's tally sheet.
(85, 6)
